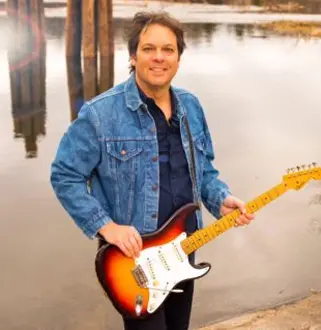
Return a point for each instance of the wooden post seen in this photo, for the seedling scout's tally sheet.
(27, 71)
(35, 63)
(73, 28)
(12, 6)
(73, 56)
(42, 52)
(75, 86)
(95, 32)
(106, 45)
(24, 36)
(89, 49)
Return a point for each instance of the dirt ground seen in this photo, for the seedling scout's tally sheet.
(301, 315)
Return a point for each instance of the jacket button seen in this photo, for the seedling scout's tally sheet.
(154, 187)
(123, 152)
(154, 216)
(155, 158)
(154, 129)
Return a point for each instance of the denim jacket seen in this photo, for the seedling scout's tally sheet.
(105, 166)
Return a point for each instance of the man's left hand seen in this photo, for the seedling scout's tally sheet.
(231, 203)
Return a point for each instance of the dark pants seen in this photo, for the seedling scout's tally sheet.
(174, 314)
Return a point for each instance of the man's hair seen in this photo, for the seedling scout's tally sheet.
(142, 20)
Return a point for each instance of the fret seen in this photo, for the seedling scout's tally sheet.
(197, 239)
(213, 233)
(251, 207)
(205, 234)
(273, 194)
(265, 198)
(209, 233)
(230, 220)
(220, 223)
(223, 223)
(193, 242)
(208, 230)
(256, 205)
(184, 245)
(217, 229)
(280, 189)
(201, 237)
(259, 202)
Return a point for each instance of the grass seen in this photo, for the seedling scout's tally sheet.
(294, 28)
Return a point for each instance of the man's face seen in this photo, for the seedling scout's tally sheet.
(157, 60)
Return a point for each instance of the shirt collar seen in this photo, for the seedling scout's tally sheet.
(148, 100)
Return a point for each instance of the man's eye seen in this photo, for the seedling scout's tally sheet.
(147, 49)
(169, 50)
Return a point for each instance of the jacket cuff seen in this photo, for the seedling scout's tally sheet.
(92, 228)
(217, 204)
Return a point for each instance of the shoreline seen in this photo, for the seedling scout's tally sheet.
(186, 12)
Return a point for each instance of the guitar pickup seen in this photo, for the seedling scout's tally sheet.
(140, 276)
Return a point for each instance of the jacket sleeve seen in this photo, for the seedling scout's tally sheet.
(213, 189)
(77, 156)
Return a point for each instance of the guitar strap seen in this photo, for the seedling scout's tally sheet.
(192, 158)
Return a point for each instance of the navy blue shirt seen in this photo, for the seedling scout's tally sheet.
(175, 182)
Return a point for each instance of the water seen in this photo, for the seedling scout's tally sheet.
(261, 97)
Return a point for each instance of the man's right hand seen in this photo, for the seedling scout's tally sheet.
(126, 238)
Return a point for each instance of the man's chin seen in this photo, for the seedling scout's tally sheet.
(159, 83)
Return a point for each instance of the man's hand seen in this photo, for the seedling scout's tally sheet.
(231, 203)
(126, 238)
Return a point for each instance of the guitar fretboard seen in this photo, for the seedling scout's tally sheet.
(207, 234)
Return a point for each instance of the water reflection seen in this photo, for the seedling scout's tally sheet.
(89, 54)
(27, 71)
(80, 89)
(85, 79)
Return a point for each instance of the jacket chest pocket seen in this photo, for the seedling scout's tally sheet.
(123, 159)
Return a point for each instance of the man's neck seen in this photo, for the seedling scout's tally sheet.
(160, 95)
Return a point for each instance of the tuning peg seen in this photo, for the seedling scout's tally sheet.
(303, 166)
(288, 170)
(314, 164)
(299, 168)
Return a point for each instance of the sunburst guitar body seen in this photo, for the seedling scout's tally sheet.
(139, 287)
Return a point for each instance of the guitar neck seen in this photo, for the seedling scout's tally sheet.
(207, 234)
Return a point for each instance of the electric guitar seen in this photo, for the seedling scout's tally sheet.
(138, 287)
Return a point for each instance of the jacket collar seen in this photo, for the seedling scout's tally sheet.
(132, 98)
(134, 102)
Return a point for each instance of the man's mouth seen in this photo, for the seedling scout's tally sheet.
(158, 69)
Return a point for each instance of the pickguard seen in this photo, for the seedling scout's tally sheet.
(164, 266)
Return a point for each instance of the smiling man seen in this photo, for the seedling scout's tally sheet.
(145, 147)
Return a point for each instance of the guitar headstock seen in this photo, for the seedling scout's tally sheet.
(297, 177)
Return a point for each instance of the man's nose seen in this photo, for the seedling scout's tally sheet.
(159, 56)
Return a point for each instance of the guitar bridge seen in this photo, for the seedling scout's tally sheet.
(140, 276)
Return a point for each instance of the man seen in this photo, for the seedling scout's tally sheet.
(146, 150)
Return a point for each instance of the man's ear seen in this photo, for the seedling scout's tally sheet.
(133, 60)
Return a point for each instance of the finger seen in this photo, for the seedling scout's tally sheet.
(226, 210)
(134, 245)
(242, 208)
(245, 219)
(138, 239)
(124, 249)
(238, 222)
(242, 220)
(129, 248)
(250, 216)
